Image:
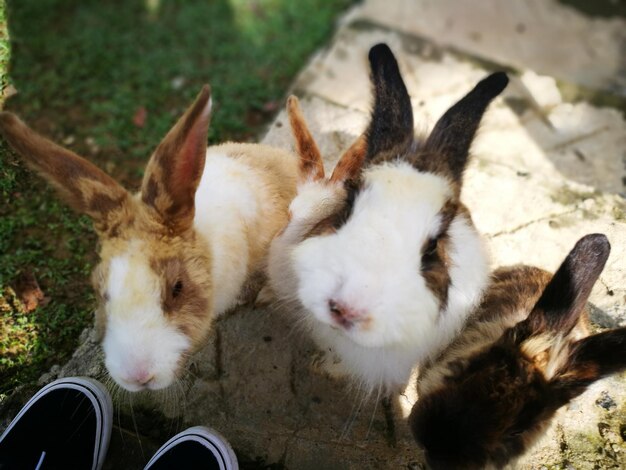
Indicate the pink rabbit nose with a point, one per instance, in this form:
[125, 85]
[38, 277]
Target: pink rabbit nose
[343, 315]
[141, 377]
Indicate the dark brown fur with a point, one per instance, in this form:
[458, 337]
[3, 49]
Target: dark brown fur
[435, 266]
[492, 392]
[390, 132]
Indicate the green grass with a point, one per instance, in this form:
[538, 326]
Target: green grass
[82, 68]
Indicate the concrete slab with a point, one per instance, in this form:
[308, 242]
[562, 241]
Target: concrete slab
[546, 36]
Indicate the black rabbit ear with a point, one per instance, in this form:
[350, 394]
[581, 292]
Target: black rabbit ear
[565, 296]
[454, 132]
[390, 132]
[590, 359]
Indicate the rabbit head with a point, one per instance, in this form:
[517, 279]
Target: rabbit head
[388, 251]
[153, 280]
[483, 406]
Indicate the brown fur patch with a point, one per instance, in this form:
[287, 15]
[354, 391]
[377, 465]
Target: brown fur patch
[587, 372]
[184, 292]
[178, 257]
[436, 262]
[85, 187]
[435, 265]
[150, 190]
[349, 166]
[174, 170]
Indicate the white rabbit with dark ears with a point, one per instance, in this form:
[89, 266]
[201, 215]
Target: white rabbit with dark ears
[384, 257]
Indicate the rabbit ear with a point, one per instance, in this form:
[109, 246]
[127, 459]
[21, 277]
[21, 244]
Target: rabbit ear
[455, 130]
[175, 169]
[311, 163]
[390, 132]
[591, 359]
[85, 187]
[349, 166]
[565, 296]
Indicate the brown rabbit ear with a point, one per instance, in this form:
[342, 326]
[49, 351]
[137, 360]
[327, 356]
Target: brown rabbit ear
[454, 132]
[311, 162]
[175, 169]
[350, 164]
[565, 296]
[390, 132]
[589, 360]
[85, 187]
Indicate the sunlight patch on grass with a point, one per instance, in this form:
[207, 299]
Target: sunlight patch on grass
[19, 331]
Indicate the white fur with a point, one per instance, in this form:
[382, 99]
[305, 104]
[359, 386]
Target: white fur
[227, 201]
[469, 274]
[373, 265]
[315, 201]
[139, 344]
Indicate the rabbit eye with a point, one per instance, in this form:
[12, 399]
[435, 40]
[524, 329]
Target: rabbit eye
[431, 248]
[177, 289]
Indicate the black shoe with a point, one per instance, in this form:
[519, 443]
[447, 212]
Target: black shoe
[65, 425]
[195, 448]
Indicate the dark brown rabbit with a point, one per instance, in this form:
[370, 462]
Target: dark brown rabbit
[525, 353]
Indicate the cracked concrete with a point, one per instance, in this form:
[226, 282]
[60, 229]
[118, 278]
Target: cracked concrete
[545, 171]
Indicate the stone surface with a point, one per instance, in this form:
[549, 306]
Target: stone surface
[544, 173]
[546, 36]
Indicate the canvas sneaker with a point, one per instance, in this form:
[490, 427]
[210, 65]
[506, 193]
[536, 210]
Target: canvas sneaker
[197, 448]
[65, 425]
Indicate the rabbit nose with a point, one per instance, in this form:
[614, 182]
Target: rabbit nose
[343, 315]
[141, 377]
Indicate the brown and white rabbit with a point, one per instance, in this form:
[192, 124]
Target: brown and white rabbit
[384, 257]
[176, 254]
[524, 354]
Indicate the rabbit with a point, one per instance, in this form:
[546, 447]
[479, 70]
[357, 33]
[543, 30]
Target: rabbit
[382, 258]
[525, 352]
[176, 254]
